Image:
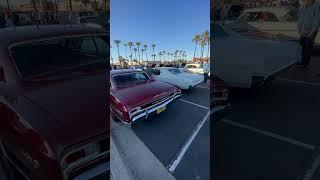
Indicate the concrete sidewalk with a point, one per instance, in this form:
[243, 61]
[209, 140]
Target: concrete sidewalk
[131, 159]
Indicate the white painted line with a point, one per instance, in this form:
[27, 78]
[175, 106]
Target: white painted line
[270, 134]
[299, 82]
[203, 87]
[204, 107]
[315, 166]
[185, 147]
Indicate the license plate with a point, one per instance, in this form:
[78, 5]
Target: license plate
[161, 109]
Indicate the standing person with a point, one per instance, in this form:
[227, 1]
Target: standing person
[2, 21]
[308, 25]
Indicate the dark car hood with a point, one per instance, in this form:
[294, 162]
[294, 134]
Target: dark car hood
[76, 107]
[145, 92]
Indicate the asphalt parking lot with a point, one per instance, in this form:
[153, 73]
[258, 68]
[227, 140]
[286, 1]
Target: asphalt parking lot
[272, 132]
[180, 136]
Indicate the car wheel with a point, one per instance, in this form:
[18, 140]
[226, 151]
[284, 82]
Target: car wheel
[6, 171]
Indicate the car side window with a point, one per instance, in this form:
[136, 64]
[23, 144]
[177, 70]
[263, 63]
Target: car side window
[102, 45]
[218, 31]
[88, 45]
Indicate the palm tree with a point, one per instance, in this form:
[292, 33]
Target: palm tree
[125, 49]
[117, 42]
[195, 39]
[135, 53]
[168, 53]
[203, 41]
[164, 55]
[142, 50]
[208, 43]
[160, 54]
[130, 44]
[180, 54]
[145, 49]
[138, 44]
[154, 56]
[172, 56]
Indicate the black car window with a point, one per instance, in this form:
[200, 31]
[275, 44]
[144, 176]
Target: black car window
[44, 57]
[130, 78]
[218, 31]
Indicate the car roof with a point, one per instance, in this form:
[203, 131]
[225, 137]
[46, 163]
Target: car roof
[165, 68]
[12, 35]
[123, 71]
[278, 11]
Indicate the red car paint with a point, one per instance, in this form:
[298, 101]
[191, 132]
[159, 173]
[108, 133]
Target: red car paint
[44, 119]
[125, 98]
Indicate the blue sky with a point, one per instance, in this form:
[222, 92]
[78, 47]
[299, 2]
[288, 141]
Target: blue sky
[170, 24]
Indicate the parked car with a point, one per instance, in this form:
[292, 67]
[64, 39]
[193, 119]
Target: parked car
[177, 77]
[219, 94]
[52, 107]
[253, 60]
[134, 95]
[195, 68]
[279, 21]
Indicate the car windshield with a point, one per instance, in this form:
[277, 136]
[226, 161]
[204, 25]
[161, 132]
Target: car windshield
[46, 57]
[130, 78]
[175, 71]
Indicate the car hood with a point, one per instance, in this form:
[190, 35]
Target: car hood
[144, 92]
[77, 108]
[189, 77]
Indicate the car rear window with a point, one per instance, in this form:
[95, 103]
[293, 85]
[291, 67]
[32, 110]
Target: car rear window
[130, 78]
[44, 57]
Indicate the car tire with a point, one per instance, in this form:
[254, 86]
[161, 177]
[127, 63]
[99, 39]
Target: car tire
[6, 171]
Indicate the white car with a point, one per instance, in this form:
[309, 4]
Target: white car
[177, 77]
[195, 68]
[244, 62]
[279, 21]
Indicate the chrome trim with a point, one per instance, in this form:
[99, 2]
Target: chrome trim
[156, 106]
[67, 168]
[93, 172]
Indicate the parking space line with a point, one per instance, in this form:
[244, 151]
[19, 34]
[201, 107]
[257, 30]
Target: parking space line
[270, 134]
[204, 107]
[203, 87]
[185, 147]
[299, 82]
[315, 166]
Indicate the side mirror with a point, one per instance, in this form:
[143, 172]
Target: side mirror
[2, 76]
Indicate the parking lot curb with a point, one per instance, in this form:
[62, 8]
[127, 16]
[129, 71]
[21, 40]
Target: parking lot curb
[132, 160]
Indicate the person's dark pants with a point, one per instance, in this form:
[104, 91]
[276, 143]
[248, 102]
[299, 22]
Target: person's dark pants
[307, 46]
[205, 77]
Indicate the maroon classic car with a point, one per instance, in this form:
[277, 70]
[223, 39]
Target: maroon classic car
[53, 119]
[220, 105]
[135, 95]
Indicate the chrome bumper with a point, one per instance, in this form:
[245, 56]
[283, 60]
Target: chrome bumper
[147, 111]
[94, 172]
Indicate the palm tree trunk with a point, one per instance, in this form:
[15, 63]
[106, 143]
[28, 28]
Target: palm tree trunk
[195, 50]
[208, 51]
[118, 51]
[131, 54]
